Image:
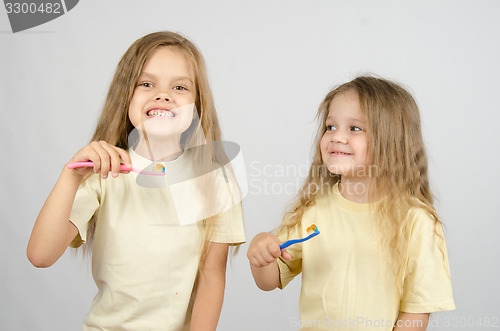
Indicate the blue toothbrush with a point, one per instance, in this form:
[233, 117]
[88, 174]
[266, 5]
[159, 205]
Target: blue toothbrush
[313, 227]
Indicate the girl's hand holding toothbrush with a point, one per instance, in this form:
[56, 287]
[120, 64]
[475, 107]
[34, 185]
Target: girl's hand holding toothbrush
[265, 249]
[105, 158]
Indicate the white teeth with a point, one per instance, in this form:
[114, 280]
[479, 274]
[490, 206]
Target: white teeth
[161, 113]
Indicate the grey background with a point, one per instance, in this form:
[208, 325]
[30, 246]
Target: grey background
[270, 64]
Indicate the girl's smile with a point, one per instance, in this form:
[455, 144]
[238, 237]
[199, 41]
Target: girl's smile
[339, 153]
[159, 113]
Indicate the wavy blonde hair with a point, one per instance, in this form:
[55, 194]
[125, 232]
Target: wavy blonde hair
[395, 149]
[114, 125]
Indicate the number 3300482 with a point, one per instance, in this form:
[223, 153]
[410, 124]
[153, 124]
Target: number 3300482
[32, 8]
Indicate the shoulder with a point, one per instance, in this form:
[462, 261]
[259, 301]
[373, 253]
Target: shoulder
[425, 233]
[420, 220]
[120, 186]
[91, 183]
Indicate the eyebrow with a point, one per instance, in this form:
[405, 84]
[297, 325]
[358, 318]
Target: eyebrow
[175, 78]
[349, 119]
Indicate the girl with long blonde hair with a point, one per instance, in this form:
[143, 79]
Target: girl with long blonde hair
[160, 226]
[380, 260]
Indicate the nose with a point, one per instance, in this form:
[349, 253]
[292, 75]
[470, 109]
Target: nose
[338, 136]
[163, 96]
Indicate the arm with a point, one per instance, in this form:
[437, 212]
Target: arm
[267, 278]
[262, 254]
[412, 322]
[53, 232]
[210, 289]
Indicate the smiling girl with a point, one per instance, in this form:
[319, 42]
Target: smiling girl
[380, 261]
[153, 270]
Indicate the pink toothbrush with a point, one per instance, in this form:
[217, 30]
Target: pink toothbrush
[159, 169]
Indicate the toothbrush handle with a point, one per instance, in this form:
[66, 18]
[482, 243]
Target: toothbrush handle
[91, 164]
[289, 243]
[296, 241]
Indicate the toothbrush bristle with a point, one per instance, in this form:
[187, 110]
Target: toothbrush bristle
[159, 168]
[312, 228]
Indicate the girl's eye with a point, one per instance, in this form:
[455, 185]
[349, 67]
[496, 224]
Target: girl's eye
[330, 128]
[180, 88]
[146, 84]
[356, 128]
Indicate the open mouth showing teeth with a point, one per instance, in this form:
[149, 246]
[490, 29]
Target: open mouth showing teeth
[160, 113]
[340, 153]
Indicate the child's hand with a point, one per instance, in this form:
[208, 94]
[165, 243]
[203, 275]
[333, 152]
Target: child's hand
[265, 249]
[105, 158]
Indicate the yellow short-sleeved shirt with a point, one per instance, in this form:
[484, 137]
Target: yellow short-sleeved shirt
[144, 259]
[345, 285]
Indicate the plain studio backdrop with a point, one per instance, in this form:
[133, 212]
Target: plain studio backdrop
[270, 63]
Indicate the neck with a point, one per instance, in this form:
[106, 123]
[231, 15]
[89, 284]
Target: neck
[165, 149]
[355, 189]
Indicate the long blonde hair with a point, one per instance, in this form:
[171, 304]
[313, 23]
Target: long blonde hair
[395, 149]
[114, 125]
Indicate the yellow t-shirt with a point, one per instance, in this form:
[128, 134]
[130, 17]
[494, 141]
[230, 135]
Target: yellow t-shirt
[345, 285]
[145, 258]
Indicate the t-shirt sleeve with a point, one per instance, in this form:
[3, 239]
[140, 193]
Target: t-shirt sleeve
[228, 227]
[427, 286]
[291, 268]
[86, 204]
